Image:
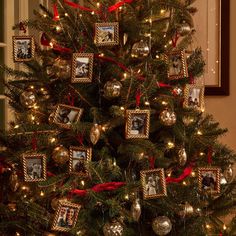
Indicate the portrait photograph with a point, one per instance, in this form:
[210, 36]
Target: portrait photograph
[137, 123]
[79, 158]
[82, 67]
[23, 48]
[194, 96]
[153, 183]
[107, 34]
[34, 167]
[66, 115]
[66, 216]
[177, 65]
[209, 179]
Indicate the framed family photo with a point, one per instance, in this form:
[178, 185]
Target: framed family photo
[79, 158]
[177, 65]
[23, 48]
[82, 67]
[194, 97]
[153, 183]
[209, 179]
[34, 167]
[137, 124]
[107, 34]
[66, 216]
[66, 115]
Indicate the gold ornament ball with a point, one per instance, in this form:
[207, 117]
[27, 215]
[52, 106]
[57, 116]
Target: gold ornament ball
[168, 118]
[95, 133]
[28, 99]
[62, 68]
[187, 210]
[114, 228]
[228, 173]
[60, 155]
[136, 210]
[112, 89]
[14, 181]
[49, 234]
[161, 225]
[44, 94]
[182, 156]
[140, 49]
[184, 29]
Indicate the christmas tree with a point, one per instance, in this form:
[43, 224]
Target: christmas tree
[110, 134]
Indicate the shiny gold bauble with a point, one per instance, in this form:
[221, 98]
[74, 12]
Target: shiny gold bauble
[184, 29]
[48, 234]
[140, 49]
[14, 181]
[44, 94]
[28, 99]
[161, 225]
[62, 68]
[114, 228]
[12, 206]
[187, 210]
[60, 155]
[228, 173]
[95, 133]
[182, 156]
[136, 209]
[167, 117]
[112, 89]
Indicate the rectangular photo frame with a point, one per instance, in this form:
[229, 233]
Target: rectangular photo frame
[34, 167]
[79, 158]
[65, 115]
[209, 179]
[177, 65]
[23, 48]
[66, 216]
[194, 97]
[82, 67]
[137, 124]
[106, 34]
[153, 183]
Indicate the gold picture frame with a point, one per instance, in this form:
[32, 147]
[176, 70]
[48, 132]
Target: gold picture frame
[153, 183]
[34, 167]
[194, 97]
[209, 179]
[66, 216]
[23, 48]
[177, 65]
[106, 34]
[79, 157]
[82, 67]
[66, 115]
[137, 124]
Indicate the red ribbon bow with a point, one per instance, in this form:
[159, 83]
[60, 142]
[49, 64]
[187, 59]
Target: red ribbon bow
[187, 171]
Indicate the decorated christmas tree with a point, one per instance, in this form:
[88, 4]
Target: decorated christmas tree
[110, 134]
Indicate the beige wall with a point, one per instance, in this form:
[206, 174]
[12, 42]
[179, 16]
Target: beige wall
[224, 108]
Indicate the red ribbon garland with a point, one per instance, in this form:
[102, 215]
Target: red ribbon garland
[151, 162]
[191, 79]
[98, 188]
[138, 97]
[71, 99]
[55, 12]
[44, 41]
[209, 155]
[50, 174]
[175, 39]
[59, 48]
[187, 171]
[119, 4]
[162, 85]
[80, 138]
[220, 234]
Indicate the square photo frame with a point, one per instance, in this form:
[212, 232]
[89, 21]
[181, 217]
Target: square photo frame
[79, 158]
[34, 167]
[177, 65]
[66, 115]
[82, 67]
[209, 179]
[194, 97]
[107, 34]
[66, 216]
[153, 183]
[137, 124]
[23, 48]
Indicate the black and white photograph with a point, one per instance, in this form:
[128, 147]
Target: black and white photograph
[23, 48]
[66, 216]
[66, 115]
[209, 179]
[34, 167]
[137, 124]
[194, 97]
[79, 158]
[106, 34]
[153, 183]
[82, 67]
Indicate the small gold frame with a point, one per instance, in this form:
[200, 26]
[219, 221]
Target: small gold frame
[19, 48]
[82, 67]
[107, 34]
[177, 65]
[86, 153]
[64, 121]
[142, 123]
[209, 179]
[33, 173]
[60, 221]
[194, 97]
[153, 183]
